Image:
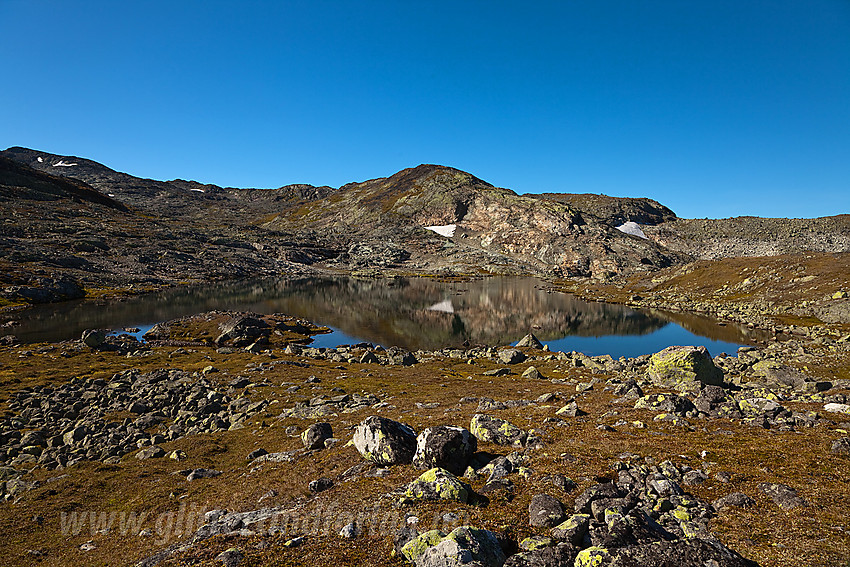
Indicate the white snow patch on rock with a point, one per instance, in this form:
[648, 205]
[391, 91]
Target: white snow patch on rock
[62, 163]
[198, 190]
[632, 228]
[444, 306]
[447, 230]
[40, 159]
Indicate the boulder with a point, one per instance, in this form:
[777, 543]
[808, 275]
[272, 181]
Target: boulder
[498, 431]
[446, 447]
[93, 338]
[668, 403]
[531, 372]
[573, 529]
[464, 546]
[437, 484]
[314, 436]
[561, 555]
[683, 368]
[738, 499]
[530, 341]
[152, 452]
[689, 552]
[545, 511]
[384, 441]
[511, 356]
[783, 495]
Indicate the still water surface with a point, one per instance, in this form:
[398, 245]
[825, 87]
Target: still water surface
[413, 313]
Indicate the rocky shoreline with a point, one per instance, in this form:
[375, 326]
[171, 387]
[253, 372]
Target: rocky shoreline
[637, 516]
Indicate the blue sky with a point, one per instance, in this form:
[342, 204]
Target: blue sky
[715, 109]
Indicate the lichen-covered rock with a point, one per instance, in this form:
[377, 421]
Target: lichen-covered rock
[498, 431]
[668, 403]
[314, 436]
[545, 511]
[464, 546]
[384, 441]
[561, 555]
[689, 552]
[437, 484]
[414, 548]
[573, 529]
[683, 368]
[446, 447]
[593, 556]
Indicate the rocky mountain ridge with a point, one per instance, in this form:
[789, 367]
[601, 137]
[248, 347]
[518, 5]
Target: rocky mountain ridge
[118, 230]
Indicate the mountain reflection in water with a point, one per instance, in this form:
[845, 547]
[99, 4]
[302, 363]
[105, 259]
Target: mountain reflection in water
[413, 313]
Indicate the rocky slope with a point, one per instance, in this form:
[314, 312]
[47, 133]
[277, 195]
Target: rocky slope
[103, 228]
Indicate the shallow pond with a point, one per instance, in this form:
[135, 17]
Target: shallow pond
[413, 313]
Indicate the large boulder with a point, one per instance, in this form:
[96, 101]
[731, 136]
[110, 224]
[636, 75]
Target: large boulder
[683, 368]
[494, 430]
[560, 555]
[694, 552]
[437, 484]
[530, 341]
[444, 446]
[384, 441]
[314, 436]
[464, 546]
[545, 511]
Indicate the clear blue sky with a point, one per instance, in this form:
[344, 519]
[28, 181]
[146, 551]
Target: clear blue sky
[715, 108]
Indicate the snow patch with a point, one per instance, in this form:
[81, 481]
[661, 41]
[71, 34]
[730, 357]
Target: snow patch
[40, 159]
[62, 163]
[198, 190]
[110, 194]
[447, 230]
[444, 306]
[632, 228]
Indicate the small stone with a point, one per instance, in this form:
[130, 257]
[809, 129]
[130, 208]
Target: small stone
[256, 453]
[152, 452]
[738, 499]
[202, 473]
[532, 373]
[231, 557]
[841, 447]
[349, 531]
[783, 495]
[320, 484]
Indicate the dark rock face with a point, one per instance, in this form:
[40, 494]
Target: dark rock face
[314, 436]
[561, 555]
[320, 484]
[384, 441]
[446, 447]
[545, 511]
[679, 553]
